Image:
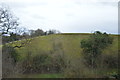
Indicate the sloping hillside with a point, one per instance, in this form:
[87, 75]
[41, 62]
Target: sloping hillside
[67, 45]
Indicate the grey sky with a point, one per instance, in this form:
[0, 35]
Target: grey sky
[67, 15]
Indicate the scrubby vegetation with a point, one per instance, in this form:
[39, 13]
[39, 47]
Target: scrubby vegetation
[60, 54]
[51, 54]
[93, 46]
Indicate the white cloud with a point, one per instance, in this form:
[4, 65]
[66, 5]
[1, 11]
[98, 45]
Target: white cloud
[67, 15]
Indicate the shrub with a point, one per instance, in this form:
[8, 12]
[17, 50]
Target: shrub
[110, 60]
[41, 62]
[45, 62]
[93, 46]
[9, 60]
[77, 69]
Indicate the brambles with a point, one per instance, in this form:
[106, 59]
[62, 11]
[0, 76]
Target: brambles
[9, 59]
[44, 62]
[62, 54]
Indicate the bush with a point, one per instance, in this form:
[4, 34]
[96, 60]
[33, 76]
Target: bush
[93, 46]
[110, 61]
[42, 63]
[9, 60]
[77, 69]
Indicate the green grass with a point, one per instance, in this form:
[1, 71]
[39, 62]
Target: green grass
[44, 76]
[70, 43]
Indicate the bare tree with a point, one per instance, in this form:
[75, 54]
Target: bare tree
[20, 30]
[8, 22]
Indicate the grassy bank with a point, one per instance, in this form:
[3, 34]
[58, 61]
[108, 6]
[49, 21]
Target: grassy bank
[67, 45]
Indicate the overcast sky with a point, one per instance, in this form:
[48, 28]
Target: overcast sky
[78, 16]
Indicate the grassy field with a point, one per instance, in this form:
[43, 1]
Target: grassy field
[45, 44]
[68, 43]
